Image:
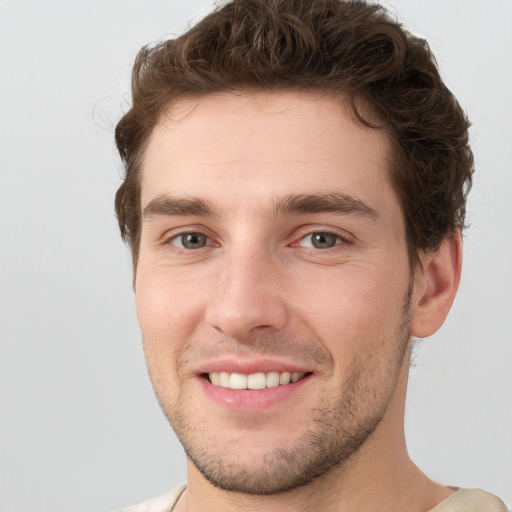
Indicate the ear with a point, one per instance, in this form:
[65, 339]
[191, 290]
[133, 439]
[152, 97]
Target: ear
[435, 286]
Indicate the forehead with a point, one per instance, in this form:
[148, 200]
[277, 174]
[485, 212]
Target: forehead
[269, 143]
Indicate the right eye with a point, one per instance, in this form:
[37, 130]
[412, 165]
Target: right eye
[190, 241]
[321, 240]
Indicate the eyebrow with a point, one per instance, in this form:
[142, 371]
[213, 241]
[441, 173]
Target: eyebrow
[291, 204]
[324, 203]
[168, 205]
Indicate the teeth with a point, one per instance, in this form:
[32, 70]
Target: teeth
[238, 381]
[224, 379]
[284, 378]
[258, 380]
[272, 379]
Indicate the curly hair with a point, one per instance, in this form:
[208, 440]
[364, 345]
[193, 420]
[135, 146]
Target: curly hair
[346, 47]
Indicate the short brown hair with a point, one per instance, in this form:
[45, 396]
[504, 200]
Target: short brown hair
[348, 47]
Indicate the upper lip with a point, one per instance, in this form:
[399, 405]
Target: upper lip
[248, 367]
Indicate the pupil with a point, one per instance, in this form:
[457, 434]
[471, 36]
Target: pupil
[323, 240]
[193, 240]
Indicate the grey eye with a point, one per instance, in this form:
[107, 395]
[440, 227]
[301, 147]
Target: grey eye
[191, 240]
[324, 240]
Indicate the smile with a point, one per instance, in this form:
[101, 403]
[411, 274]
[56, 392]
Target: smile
[258, 380]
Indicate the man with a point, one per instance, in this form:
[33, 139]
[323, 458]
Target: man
[296, 177]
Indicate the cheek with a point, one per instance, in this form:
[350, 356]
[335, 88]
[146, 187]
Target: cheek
[353, 296]
[356, 311]
[165, 310]
[167, 319]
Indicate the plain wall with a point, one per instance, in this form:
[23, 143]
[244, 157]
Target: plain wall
[80, 430]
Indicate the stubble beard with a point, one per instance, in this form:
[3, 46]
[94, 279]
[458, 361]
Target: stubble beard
[338, 430]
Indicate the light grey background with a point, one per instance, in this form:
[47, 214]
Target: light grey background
[80, 430]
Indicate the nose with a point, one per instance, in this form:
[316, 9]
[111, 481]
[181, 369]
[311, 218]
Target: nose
[249, 298]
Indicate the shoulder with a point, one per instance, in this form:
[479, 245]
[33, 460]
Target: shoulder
[163, 503]
[471, 500]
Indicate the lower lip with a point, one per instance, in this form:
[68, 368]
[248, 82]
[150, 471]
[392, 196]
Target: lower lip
[249, 399]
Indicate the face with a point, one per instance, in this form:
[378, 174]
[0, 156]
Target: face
[272, 284]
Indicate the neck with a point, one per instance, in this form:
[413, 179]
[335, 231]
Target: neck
[379, 477]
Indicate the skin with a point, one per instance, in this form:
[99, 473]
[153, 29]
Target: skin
[258, 292]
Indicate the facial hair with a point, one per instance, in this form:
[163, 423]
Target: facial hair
[338, 426]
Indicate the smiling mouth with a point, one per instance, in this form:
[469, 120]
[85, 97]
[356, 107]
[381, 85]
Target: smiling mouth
[258, 380]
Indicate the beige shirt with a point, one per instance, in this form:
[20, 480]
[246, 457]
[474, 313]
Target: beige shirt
[463, 500]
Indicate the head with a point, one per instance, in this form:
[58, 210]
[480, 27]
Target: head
[348, 49]
[356, 158]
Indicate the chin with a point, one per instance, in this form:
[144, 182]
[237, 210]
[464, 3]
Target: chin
[248, 463]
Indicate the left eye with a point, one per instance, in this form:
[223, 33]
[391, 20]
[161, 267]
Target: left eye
[190, 240]
[320, 240]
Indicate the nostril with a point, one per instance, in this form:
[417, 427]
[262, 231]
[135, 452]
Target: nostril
[240, 314]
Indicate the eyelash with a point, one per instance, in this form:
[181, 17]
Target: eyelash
[176, 236]
[340, 240]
